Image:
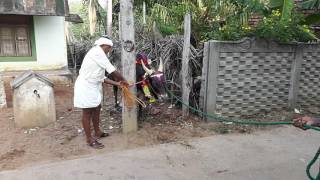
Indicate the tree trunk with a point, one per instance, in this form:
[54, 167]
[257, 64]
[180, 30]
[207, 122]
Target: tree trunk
[92, 16]
[109, 18]
[119, 21]
[144, 13]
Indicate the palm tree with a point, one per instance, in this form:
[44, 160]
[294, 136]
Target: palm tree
[95, 15]
[92, 13]
[310, 4]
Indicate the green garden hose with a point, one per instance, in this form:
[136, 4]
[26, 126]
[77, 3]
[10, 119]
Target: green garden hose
[257, 123]
[238, 121]
[311, 163]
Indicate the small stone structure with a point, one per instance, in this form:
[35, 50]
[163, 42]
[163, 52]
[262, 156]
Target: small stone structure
[33, 100]
[252, 75]
[3, 102]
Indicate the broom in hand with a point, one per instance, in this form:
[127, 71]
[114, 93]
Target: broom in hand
[129, 98]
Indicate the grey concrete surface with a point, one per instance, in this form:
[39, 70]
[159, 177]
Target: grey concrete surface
[278, 154]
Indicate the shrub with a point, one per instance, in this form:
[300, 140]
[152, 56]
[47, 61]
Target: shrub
[231, 31]
[286, 30]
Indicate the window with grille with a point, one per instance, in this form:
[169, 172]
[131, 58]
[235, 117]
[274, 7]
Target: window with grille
[15, 36]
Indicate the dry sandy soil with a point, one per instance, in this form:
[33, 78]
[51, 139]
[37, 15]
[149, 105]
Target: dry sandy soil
[65, 139]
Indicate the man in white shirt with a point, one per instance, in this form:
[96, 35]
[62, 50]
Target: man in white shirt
[88, 87]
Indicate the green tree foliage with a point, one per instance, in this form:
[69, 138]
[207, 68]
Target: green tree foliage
[81, 31]
[232, 23]
[285, 6]
[284, 30]
[207, 16]
[310, 4]
[215, 19]
[281, 25]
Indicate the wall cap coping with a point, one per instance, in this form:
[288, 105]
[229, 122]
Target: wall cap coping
[269, 40]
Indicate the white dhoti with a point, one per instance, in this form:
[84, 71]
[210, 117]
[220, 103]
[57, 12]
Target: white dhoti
[87, 94]
[88, 86]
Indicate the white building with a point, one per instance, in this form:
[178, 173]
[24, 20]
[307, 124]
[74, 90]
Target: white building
[32, 35]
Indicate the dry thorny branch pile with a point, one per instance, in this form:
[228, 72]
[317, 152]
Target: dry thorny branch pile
[169, 49]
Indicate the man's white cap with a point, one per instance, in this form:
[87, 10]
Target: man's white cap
[103, 41]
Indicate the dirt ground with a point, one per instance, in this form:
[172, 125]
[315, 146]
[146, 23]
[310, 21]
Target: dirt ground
[65, 138]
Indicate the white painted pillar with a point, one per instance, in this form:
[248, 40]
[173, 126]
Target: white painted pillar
[3, 101]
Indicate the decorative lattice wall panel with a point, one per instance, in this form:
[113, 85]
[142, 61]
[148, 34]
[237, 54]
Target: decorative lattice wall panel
[251, 82]
[309, 81]
[249, 76]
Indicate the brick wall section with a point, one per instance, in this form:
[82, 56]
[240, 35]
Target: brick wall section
[3, 102]
[245, 77]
